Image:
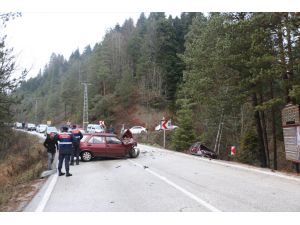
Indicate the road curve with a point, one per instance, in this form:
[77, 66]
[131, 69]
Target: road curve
[165, 181]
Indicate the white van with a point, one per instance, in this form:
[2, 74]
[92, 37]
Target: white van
[95, 128]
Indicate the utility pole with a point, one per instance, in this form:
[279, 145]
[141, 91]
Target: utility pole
[219, 134]
[36, 110]
[85, 117]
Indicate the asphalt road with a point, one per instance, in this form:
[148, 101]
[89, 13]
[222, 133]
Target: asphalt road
[165, 181]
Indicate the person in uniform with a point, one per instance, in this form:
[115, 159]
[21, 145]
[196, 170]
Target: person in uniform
[77, 136]
[65, 148]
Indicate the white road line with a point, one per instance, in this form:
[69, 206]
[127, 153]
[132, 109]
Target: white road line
[45, 199]
[184, 191]
[219, 162]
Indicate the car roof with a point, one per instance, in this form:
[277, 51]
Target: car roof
[101, 134]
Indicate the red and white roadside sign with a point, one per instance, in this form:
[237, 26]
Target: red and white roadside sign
[164, 125]
[233, 151]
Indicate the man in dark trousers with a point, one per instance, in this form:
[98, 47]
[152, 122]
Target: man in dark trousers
[51, 144]
[65, 146]
[77, 136]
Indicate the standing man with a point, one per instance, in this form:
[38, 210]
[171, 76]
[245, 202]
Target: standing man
[51, 144]
[65, 146]
[77, 136]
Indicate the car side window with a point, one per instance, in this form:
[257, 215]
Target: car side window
[98, 140]
[113, 140]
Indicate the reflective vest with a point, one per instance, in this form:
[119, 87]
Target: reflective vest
[65, 144]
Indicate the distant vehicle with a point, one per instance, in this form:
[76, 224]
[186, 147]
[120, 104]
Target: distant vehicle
[171, 127]
[201, 150]
[95, 128]
[138, 130]
[41, 128]
[106, 145]
[18, 125]
[30, 127]
[50, 130]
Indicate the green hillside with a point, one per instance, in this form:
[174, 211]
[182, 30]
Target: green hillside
[231, 72]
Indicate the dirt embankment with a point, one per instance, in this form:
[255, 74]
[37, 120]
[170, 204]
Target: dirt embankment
[22, 159]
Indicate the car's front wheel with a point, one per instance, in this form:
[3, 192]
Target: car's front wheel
[134, 152]
[86, 156]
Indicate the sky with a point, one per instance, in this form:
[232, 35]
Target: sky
[35, 36]
[62, 26]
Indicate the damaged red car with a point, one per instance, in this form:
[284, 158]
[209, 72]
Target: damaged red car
[202, 150]
[108, 145]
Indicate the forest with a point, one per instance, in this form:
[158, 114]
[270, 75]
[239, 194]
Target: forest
[225, 75]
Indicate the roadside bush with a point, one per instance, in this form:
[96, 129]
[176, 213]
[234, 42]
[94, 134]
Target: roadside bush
[249, 152]
[156, 138]
[22, 159]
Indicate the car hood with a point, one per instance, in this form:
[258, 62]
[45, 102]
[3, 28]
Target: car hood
[127, 134]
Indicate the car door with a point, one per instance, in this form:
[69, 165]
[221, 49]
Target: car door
[115, 147]
[96, 144]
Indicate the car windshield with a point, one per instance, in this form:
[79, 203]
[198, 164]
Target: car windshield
[51, 129]
[97, 127]
[43, 125]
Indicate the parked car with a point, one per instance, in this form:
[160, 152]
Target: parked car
[30, 127]
[106, 145]
[202, 150]
[95, 128]
[138, 130]
[50, 130]
[41, 128]
[18, 125]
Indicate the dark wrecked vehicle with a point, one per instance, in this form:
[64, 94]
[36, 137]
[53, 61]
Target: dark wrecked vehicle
[108, 145]
[202, 150]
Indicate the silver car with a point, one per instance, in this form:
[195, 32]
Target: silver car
[50, 130]
[41, 128]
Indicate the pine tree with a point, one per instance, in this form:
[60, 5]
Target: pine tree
[185, 134]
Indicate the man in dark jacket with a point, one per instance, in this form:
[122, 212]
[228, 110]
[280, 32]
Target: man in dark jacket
[51, 144]
[65, 147]
[77, 136]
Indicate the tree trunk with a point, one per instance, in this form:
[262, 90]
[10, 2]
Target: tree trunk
[273, 130]
[264, 133]
[263, 160]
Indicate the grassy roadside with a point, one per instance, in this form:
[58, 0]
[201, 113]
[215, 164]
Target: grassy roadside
[22, 159]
